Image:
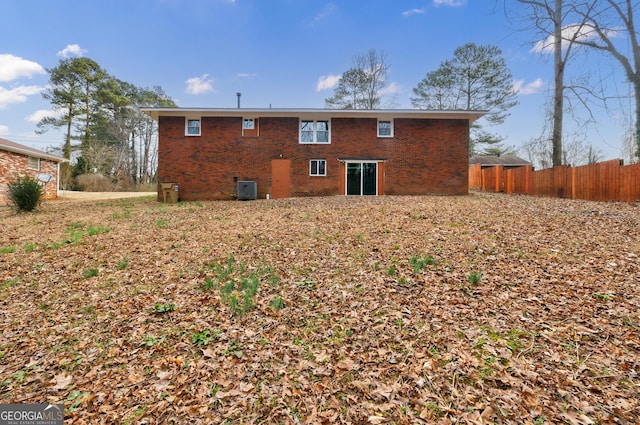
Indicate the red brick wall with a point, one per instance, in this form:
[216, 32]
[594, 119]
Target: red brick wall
[12, 164]
[425, 156]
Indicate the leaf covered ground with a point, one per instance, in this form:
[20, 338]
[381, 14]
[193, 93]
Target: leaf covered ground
[477, 309]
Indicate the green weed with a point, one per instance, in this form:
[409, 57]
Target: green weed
[92, 231]
[123, 263]
[603, 296]
[163, 308]
[277, 303]
[233, 349]
[419, 263]
[205, 337]
[90, 273]
[308, 284]
[150, 340]
[7, 249]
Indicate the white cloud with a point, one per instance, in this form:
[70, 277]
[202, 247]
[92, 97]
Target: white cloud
[327, 82]
[413, 12]
[14, 67]
[519, 87]
[245, 75]
[199, 85]
[38, 115]
[452, 3]
[17, 94]
[582, 33]
[72, 50]
[4, 130]
[328, 9]
[392, 88]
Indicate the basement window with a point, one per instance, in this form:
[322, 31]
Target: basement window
[192, 127]
[318, 167]
[314, 131]
[33, 163]
[385, 128]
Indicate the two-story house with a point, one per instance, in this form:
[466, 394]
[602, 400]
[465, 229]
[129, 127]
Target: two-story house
[312, 152]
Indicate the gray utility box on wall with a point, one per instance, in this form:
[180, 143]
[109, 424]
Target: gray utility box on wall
[247, 190]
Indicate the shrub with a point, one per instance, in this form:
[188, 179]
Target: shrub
[94, 183]
[25, 193]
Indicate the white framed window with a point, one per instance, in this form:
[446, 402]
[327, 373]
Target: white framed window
[33, 163]
[385, 128]
[318, 167]
[315, 131]
[248, 124]
[192, 127]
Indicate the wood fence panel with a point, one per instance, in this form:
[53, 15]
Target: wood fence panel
[598, 182]
[630, 183]
[492, 179]
[522, 179]
[475, 176]
[604, 181]
[544, 182]
[507, 179]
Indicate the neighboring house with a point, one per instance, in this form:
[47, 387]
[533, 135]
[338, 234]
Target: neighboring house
[507, 161]
[209, 153]
[18, 160]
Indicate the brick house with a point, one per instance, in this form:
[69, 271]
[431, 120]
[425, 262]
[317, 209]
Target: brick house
[312, 152]
[17, 159]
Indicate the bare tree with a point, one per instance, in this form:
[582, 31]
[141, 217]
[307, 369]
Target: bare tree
[554, 20]
[605, 21]
[361, 87]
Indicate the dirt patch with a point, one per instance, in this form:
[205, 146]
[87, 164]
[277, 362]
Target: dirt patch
[68, 195]
[476, 309]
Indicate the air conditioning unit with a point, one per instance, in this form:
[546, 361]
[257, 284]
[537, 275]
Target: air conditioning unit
[247, 190]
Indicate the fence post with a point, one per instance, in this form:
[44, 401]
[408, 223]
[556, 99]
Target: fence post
[573, 183]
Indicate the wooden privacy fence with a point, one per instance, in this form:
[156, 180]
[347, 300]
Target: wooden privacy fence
[604, 181]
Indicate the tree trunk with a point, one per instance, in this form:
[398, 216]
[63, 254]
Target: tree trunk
[636, 87]
[558, 99]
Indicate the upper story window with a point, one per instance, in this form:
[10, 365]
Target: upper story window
[312, 131]
[385, 128]
[248, 124]
[192, 127]
[33, 163]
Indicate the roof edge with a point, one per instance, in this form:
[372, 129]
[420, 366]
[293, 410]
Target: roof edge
[470, 115]
[25, 150]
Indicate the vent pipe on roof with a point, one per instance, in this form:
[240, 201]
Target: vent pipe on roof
[238, 94]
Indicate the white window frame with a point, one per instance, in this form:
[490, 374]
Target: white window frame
[314, 130]
[317, 161]
[36, 165]
[390, 121]
[248, 124]
[186, 126]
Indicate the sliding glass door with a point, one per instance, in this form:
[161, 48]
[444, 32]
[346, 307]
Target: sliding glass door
[362, 178]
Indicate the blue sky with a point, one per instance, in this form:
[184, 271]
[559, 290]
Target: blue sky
[279, 53]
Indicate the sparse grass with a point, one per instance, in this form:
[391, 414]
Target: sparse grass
[90, 273]
[123, 263]
[418, 263]
[277, 303]
[8, 249]
[474, 278]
